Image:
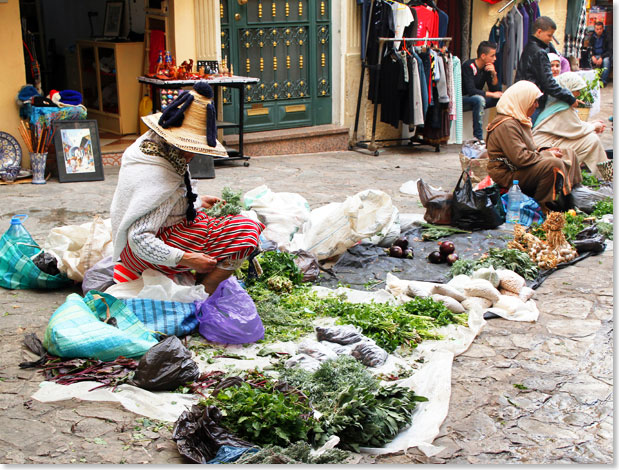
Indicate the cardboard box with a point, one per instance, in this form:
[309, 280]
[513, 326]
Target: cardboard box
[605, 17]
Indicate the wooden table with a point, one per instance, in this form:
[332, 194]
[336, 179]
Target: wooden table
[233, 82]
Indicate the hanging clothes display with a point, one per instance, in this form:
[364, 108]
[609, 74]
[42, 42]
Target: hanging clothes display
[414, 84]
[511, 34]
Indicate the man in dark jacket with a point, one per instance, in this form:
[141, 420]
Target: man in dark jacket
[601, 44]
[476, 74]
[534, 65]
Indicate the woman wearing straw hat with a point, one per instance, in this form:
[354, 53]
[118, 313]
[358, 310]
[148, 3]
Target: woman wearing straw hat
[155, 219]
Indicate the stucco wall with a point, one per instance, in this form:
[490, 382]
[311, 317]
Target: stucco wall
[485, 15]
[14, 75]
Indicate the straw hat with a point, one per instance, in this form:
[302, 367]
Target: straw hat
[187, 127]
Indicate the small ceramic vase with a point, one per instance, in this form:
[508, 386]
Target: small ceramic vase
[37, 163]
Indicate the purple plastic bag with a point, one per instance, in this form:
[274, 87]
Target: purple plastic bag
[229, 315]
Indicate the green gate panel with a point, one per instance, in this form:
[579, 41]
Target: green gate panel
[286, 44]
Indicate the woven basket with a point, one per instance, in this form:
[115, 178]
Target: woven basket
[478, 167]
[583, 113]
[606, 169]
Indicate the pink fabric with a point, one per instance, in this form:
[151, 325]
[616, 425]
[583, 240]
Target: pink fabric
[565, 65]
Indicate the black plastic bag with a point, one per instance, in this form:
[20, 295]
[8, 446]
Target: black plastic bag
[199, 435]
[476, 210]
[308, 264]
[345, 334]
[166, 366]
[370, 354]
[35, 345]
[47, 263]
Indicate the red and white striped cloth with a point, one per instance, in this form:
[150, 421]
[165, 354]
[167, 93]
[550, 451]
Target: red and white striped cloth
[227, 238]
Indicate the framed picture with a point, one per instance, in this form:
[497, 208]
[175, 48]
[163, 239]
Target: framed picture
[78, 153]
[113, 15]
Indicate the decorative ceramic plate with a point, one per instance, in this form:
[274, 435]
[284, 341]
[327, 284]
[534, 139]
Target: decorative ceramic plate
[24, 174]
[10, 151]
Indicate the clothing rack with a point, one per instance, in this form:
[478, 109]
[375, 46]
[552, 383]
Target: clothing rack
[371, 144]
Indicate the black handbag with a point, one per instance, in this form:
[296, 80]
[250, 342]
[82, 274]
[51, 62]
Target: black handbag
[476, 210]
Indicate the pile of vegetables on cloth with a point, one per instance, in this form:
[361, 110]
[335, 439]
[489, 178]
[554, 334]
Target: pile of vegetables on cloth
[331, 364]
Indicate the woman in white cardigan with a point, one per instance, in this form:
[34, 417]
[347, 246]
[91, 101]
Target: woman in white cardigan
[559, 125]
[156, 218]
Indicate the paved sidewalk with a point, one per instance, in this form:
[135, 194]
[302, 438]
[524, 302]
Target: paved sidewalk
[534, 393]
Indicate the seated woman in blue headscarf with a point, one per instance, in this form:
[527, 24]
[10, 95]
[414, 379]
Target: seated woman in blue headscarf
[559, 125]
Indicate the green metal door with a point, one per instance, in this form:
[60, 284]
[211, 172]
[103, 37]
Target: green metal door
[286, 44]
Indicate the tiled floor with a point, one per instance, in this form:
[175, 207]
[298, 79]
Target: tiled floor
[113, 146]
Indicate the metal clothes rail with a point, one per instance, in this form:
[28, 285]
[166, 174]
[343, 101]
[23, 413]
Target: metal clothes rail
[371, 144]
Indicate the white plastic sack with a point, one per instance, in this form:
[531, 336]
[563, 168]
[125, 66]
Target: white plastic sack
[157, 286]
[282, 213]
[164, 406]
[79, 247]
[390, 234]
[335, 227]
[410, 187]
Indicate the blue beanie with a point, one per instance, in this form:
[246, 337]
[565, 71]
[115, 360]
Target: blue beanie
[71, 97]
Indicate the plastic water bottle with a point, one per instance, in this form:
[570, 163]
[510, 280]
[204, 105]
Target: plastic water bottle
[514, 199]
[17, 232]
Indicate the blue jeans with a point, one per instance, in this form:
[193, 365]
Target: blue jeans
[478, 103]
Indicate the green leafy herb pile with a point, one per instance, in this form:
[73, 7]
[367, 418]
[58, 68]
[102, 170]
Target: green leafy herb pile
[353, 405]
[287, 308]
[514, 260]
[434, 232]
[605, 229]
[574, 224]
[297, 453]
[260, 413]
[230, 205]
[589, 180]
[603, 207]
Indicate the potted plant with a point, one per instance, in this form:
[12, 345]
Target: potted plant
[589, 93]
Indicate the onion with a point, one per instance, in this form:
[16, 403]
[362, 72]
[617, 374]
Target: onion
[395, 251]
[447, 248]
[435, 257]
[402, 242]
[452, 258]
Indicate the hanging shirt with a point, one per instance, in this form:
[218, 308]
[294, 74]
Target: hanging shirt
[427, 22]
[402, 17]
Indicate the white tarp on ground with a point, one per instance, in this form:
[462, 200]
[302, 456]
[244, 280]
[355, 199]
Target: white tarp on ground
[431, 379]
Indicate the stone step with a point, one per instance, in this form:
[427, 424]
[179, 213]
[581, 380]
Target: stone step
[324, 138]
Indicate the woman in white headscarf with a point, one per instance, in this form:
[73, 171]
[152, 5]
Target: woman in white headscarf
[548, 176]
[560, 125]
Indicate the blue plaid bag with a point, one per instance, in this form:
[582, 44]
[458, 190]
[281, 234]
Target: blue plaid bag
[78, 328]
[530, 211]
[18, 271]
[161, 316]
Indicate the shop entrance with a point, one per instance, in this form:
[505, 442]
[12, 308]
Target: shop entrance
[286, 44]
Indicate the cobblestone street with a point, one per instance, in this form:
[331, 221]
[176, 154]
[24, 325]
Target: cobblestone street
[523, 393]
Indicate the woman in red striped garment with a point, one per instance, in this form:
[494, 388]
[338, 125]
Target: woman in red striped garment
[156, 218]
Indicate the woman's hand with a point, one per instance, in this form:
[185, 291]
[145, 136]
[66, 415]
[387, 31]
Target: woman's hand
[199, 261]
[556, 151]
[209, 201]
[598, 127]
